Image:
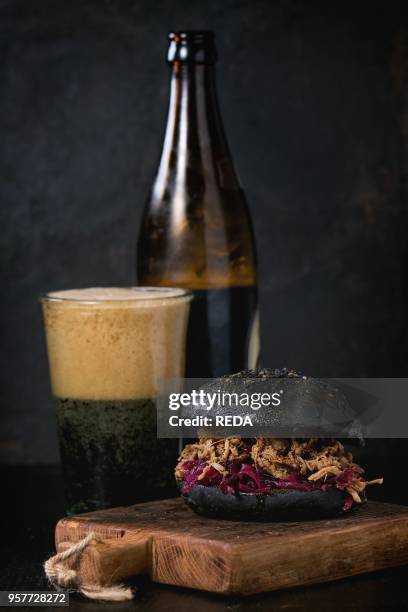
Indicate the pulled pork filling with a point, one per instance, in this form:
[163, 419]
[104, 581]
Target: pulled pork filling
[236, 465]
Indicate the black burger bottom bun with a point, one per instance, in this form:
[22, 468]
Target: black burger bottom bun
[279, 505]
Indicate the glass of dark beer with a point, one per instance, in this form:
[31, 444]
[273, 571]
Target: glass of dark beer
[108, 351]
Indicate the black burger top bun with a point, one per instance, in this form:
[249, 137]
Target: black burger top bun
[309, 406]
[268, 478]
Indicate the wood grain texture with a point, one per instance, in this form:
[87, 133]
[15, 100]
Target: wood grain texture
[174, 546]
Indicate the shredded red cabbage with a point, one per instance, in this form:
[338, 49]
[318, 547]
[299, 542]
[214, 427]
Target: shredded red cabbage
[250, 478]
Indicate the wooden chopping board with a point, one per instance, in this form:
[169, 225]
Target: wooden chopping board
[171, 544]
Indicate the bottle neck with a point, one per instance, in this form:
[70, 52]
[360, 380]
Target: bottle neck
[194, 139]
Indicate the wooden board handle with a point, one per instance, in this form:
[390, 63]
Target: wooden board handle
[110, 561]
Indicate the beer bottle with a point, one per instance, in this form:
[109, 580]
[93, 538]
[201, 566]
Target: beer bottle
[196, 230]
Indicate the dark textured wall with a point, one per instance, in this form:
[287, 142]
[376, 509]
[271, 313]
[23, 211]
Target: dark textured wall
[314, 98]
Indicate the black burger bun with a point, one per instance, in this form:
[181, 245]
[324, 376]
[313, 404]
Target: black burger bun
[278, 505]
[310, 407]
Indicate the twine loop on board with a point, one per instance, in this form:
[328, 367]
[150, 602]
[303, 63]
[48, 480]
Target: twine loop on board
[62, 576]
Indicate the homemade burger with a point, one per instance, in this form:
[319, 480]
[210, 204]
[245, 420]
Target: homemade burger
[270, 478]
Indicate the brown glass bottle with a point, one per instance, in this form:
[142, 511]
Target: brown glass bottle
[196, 230]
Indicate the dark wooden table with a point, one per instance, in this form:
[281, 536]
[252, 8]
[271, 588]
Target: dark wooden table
[32, 501]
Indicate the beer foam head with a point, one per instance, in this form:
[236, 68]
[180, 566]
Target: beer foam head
[114, 343]
[113, 294]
